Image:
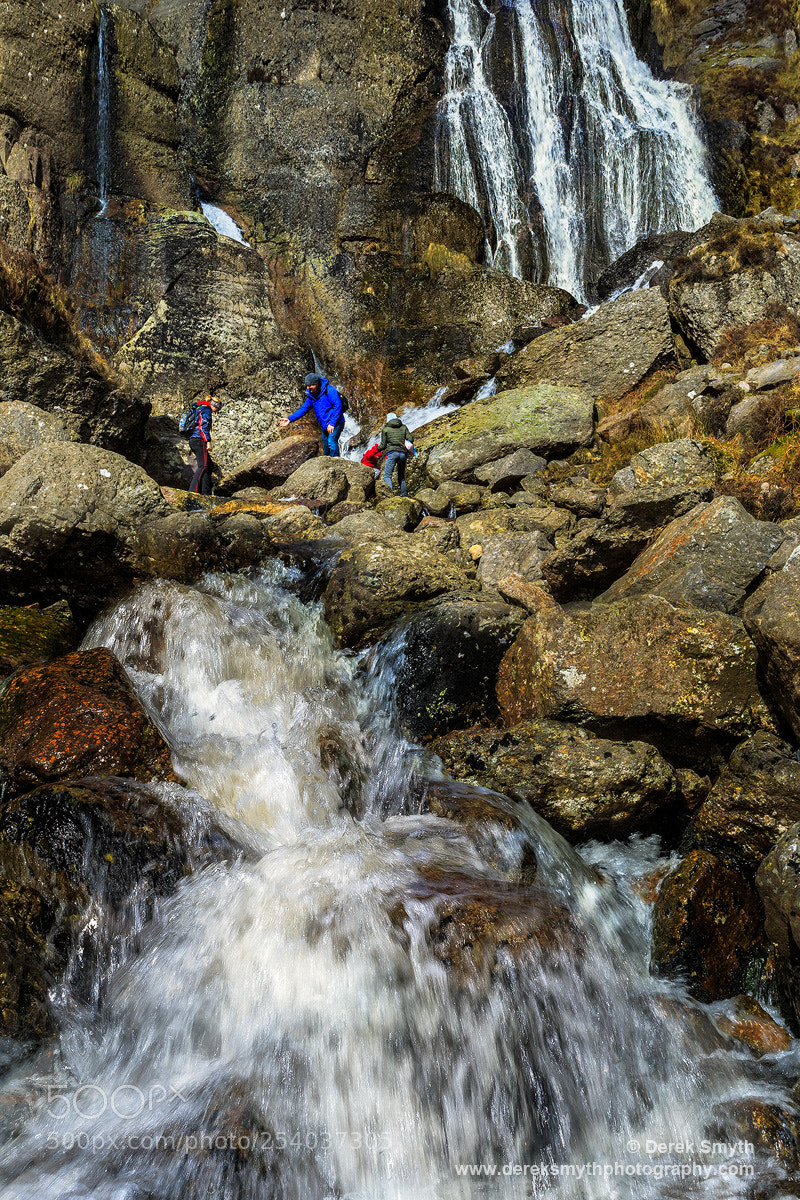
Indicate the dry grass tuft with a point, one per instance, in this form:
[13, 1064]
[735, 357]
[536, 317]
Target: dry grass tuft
[778, 330]
[740, 248]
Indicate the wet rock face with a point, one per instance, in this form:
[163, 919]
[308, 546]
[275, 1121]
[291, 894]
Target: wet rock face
[451, 652]
[375, 583]
[586, 787]
[271, 467]
[77, 716]
[778, 883]
[640, 666]
[708, 922]
[80, 403]
[753, 803]
[772, 618]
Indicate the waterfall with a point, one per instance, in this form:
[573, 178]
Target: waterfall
[303, 1022]
[581, 155]
[103, 113]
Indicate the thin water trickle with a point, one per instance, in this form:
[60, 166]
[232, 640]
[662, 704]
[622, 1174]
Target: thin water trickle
[583, 154]
[103, 113]
[336, 1013]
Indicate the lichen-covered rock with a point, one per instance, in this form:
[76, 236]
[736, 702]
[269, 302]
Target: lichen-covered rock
[586, 787]
[550, 421]
[375, 583]
[404, 512]
[772, 618]
[28, 635]
[753, 803]
[707, 926]
[452, 650]
[271, 467]
[504, 473]
[605, 355]
[329, 480]
[684, 462]
[638, 667]
[512, 553]
[77, 716]
[479, 527]
[731, 281]
[24, 426]
[708, 558]
[602, 551]
[69, 522]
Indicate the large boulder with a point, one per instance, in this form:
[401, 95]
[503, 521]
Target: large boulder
[23, 427]
[708, 558]
[271, 467]
[481, 527]
[602, 550]
[551, 421]
[684, 462]
[512, 554]
[452, 649]
[329, 480]
[70, 520]
[605, 355]
[752, 804]
[732, 280]
[682, 678]
[376, 582]
[77, 716]
[772, 618]
[586, 787]
[707, 926]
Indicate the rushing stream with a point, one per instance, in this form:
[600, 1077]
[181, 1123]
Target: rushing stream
[563, 139]
[302, 1021]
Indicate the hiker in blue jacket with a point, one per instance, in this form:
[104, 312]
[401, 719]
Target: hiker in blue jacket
[323, 397]
[200, 443]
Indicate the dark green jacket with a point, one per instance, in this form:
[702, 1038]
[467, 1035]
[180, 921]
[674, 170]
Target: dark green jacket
[394, 436]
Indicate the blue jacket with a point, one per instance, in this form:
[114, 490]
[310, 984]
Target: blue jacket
[204, 418]
[327, 406]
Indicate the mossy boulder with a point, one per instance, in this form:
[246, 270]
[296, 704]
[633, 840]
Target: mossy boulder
[77, 716]
[772, 618]
[551, 421]
[28, 635]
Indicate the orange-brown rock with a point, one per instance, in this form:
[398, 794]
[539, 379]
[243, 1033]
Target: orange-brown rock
[77, 716]
[755, 1028]
[708, 922]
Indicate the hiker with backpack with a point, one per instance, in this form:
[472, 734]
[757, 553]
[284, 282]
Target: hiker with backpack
[328, 407]
[199, 419]
[396, 440]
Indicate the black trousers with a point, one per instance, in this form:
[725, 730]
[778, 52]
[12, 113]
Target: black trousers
[201, 480]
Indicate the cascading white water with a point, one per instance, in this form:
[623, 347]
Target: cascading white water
[301, 1024]
[103, 113]
[583, 154]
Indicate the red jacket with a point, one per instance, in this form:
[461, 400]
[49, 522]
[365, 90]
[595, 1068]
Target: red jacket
[372, 457]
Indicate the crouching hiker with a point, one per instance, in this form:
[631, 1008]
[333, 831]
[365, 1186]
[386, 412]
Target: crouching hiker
[323, 397]
[396, 440]
[200, 444]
